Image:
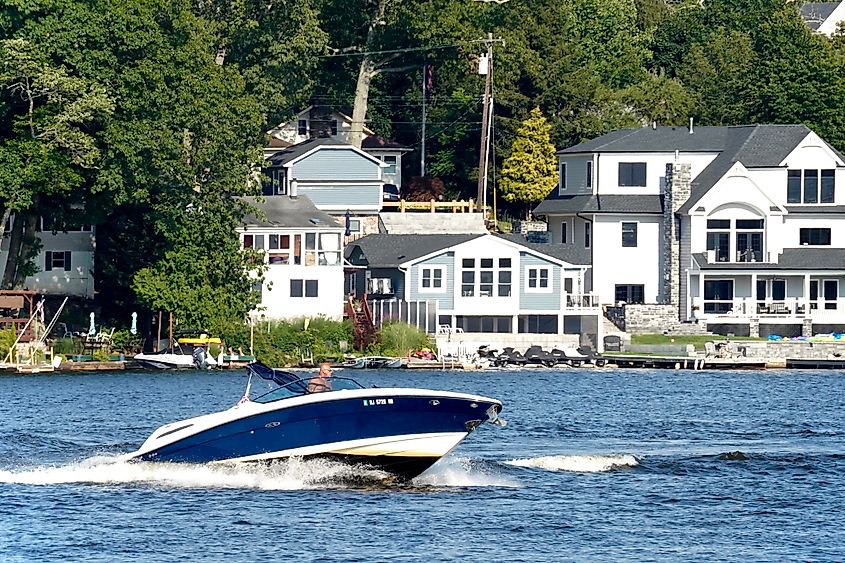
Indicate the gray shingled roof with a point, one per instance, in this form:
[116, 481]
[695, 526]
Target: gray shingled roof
[571, 253]
[557, 203]
[390, 251]
[804, 258]
[284, 156]
[755, 146]
[284, 211]
[659, 139]
[815, 13]
[815, 209]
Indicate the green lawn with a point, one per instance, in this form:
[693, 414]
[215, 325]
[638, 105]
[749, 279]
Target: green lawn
[698, 341]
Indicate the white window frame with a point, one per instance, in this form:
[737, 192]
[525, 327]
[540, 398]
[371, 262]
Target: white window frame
[431, 268]
[636, 225]
[561, 182]
[392, 165]
[538, 289]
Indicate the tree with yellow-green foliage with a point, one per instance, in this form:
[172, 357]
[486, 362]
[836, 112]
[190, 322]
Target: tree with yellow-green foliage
[529, 172]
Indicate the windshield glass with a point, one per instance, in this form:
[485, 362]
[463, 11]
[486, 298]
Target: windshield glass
[295, 388]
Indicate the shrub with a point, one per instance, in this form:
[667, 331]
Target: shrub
[7, 340]
[67, 346]
[399, 339]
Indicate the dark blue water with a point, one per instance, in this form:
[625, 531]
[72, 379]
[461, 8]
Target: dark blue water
[594, 465]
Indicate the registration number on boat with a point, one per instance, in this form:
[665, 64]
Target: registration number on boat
[374, 402]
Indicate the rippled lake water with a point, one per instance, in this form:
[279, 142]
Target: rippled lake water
[595, 464]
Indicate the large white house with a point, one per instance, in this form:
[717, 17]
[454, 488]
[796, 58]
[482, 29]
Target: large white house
[303, 256]
[740, 226]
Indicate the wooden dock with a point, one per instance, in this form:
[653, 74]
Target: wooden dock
[686, 362]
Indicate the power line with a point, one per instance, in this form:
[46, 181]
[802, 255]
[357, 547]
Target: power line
[388, 52]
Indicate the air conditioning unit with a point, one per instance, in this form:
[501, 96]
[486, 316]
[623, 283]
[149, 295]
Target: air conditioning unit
[379, 286]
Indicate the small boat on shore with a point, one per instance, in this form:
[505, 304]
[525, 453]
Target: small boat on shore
[373, 362]
[401, 431]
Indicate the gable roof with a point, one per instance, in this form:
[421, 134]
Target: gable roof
[288, 212]
[390, 251]
[291, 154]
[571, 253]
[816, 13]
[374, 142]
[755, 146]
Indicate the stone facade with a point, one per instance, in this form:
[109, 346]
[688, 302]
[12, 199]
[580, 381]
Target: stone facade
[676, 193]
[656, 319]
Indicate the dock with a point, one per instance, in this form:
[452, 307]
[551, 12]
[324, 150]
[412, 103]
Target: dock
[688, 362]
[815, 363]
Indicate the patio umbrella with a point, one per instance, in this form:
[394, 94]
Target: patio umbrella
[134, 329]
[348, 223]
[92, 330]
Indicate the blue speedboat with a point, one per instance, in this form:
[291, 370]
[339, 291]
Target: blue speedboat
[401, 431]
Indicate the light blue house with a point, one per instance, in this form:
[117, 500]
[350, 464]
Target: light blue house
[479, 283]
[334, 175]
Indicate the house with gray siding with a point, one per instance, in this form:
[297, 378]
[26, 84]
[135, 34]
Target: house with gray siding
[479, 283]
[334, 175]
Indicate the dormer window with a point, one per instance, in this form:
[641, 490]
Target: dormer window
[302, 127]
[334, 127]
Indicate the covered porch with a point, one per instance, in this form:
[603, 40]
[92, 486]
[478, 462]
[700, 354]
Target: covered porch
[818, 296]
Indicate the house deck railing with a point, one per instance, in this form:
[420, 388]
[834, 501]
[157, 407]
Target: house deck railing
[432, 206]
[791, 307]
[582, 301]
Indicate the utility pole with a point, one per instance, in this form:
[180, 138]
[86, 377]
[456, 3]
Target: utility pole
[422, 146]
[485, 66]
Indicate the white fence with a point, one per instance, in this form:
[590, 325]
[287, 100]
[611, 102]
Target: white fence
[422, 314]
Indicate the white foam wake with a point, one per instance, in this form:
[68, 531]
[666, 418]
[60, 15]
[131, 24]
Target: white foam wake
[462, 472]
[578, 463]
[292, 474]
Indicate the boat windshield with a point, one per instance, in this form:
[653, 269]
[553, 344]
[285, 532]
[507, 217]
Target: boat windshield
[299, 387]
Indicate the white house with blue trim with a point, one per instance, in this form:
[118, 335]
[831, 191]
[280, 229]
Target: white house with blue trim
[480, 283]
[742, 226]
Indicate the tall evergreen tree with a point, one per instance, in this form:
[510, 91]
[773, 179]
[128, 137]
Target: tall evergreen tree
[529, 172]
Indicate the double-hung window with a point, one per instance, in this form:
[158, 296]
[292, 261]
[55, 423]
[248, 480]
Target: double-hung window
[629, 235]
[431, 279]
[538, 279]
[562, 177]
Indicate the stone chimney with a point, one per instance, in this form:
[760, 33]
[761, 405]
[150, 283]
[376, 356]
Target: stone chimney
[676, 192]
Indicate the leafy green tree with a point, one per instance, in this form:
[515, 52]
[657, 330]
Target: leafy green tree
[49, 146]
[529, 172]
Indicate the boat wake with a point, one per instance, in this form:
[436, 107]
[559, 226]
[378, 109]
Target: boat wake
[289, 475]
[292, 474]
[464, 472]
[578, 463]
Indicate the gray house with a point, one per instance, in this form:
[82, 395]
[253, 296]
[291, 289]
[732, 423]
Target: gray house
[479, 283]
[334, 175]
